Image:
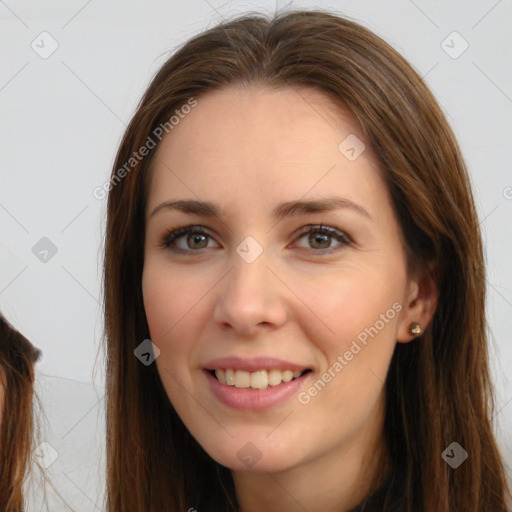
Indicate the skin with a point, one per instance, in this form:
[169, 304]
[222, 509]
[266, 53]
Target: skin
[248, 150]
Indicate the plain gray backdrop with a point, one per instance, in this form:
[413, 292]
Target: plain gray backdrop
[71, 75]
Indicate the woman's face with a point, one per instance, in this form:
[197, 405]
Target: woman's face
[255, 296]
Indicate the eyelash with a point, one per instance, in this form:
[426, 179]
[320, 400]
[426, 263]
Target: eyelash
[170, 238]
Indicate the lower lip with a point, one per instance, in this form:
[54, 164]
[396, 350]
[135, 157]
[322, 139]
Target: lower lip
[248, 399]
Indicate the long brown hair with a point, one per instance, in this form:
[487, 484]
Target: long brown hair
[438, 388]
[17, 358]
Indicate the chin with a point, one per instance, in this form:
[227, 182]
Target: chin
[255, 457]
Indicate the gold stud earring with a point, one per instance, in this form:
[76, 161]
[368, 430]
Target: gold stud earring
[415, 328]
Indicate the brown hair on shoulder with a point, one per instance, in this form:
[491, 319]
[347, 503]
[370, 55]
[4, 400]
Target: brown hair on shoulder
[17, 358]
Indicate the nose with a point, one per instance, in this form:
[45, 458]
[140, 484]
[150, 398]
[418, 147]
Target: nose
[250, 297]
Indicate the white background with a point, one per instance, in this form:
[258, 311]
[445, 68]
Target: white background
[61, 122]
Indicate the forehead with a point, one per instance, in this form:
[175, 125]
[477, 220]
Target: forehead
[273, 142]
[291, 123]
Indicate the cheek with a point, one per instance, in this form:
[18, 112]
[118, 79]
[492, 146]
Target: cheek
[171, 297]
[173, 306]
[360, 307]
[354, 328]
[347, 304]
[159, 302]
[166, 305]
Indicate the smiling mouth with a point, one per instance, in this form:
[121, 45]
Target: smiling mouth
[257, 380]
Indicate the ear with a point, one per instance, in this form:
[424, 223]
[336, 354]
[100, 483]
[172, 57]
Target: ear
[420, 303]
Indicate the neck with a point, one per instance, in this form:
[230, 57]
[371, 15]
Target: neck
[338, 481]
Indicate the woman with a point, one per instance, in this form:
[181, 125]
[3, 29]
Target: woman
[17, 358]
[291, 224]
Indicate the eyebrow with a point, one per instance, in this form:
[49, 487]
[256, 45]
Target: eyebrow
[281, 211]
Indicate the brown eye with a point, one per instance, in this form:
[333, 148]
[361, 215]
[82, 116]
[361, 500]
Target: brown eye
[321, 238]
[199, 239]
[187, 239]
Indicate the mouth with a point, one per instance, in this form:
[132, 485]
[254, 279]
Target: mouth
[256, 390]
[256, 380]
[255, 383]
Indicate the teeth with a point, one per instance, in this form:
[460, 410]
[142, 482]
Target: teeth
[274, 377]
[260, 379]
[242, 379]
[287, 376]
[230, 377]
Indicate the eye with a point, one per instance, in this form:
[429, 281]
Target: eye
[320, 238]
[189, 239]
[186, 239]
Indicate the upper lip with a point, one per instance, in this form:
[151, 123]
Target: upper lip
[253, 364]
